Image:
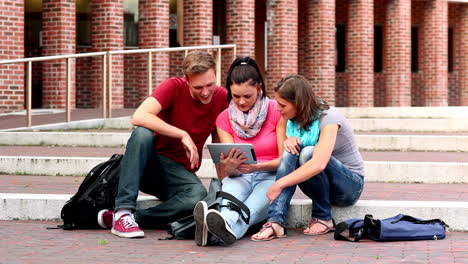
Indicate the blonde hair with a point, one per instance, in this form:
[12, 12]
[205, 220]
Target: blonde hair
[197, 62]
[298, 90]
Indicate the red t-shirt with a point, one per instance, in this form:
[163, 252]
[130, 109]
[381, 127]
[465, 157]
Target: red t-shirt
[179, 109]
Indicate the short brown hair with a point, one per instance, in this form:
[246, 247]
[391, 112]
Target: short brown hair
[298, 90]
[198, 61]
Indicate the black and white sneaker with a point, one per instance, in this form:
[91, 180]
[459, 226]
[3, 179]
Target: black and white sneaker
[218, 226]
[201, 232]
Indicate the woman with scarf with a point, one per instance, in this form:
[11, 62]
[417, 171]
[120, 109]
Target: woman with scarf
[321, 157]
[250, 118]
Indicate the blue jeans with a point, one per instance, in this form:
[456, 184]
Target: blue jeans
[335, 185]
[142, 169]
[251, 189]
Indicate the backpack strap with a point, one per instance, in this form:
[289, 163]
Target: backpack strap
[411, 219]
[235, 205]
[349, 231]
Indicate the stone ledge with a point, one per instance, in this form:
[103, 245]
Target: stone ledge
[19, 206]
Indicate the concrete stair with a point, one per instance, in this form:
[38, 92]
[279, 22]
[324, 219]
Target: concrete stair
[401, 146]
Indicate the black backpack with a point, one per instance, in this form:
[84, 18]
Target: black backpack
[184, 228]
[97, 191]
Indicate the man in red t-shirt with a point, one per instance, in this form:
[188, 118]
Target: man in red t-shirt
[165, 149]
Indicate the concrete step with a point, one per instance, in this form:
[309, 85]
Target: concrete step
[42, 197]
[412, 143]
[451, 112]
[413, 125]
[373, 142]
[378, 171]
[20, 206]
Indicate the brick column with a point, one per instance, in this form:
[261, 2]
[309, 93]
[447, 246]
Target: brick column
[320, 48]
[240, 30]
[463, 54]
[397, 53]
[282, 19]
[198, 22]
[360, 53]
[58, 35]
[240, 25]
[107, 34]
[434, 53]
[153, 32]
[12, 47]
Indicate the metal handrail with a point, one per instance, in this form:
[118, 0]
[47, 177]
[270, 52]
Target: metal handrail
[106, 72]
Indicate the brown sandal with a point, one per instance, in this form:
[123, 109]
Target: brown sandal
[274, 235]
[328, 228]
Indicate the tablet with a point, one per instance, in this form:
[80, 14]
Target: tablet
[217, 148]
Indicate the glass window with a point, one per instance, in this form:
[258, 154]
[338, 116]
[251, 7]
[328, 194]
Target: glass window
[83, 23]
[32, 24]
[378, 48]
[173, 24]
[414, 49]
[340, 48]
[131, 23]
[450, 50]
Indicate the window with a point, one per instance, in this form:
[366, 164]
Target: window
[340, 48]
[83, 23]
[131, 23]
[173, 24]
[378, 48]
[32, 24]
[219, 21]
[414, 49]
[450, 50]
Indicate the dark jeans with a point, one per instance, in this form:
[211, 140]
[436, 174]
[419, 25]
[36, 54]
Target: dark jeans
[335, 185]
[143, 169]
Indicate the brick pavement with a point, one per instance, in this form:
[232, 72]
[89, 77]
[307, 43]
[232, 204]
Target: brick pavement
[31, 242]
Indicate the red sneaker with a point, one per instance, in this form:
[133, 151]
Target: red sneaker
[126, 227]
[105, 218]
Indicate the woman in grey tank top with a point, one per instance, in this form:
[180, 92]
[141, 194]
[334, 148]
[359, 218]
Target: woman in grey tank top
[321, 156]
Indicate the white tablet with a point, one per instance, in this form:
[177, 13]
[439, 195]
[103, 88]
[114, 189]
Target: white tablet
[217, 148]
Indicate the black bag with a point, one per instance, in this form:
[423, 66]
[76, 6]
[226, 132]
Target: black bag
[97, 191]
[398, 228]
[184, 228]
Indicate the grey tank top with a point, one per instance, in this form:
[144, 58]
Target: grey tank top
[346, 149]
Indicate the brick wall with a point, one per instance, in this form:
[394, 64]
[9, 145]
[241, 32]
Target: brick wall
[463, 55]
[107, 34]
[153, 32]
[360, 53]
[319, 47]
[12, 47]
[240, 25]
[85, 90]
[240, 30]
[434, 57]
[397, 53]
[282, 17]
[135, 79]
[58, 34]
[198, 22]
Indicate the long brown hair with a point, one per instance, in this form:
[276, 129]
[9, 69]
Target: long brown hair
[298, 90]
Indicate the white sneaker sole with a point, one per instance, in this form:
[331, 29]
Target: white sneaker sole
[135, 234]
[100, 219]
[218, 226]
[201, 231]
